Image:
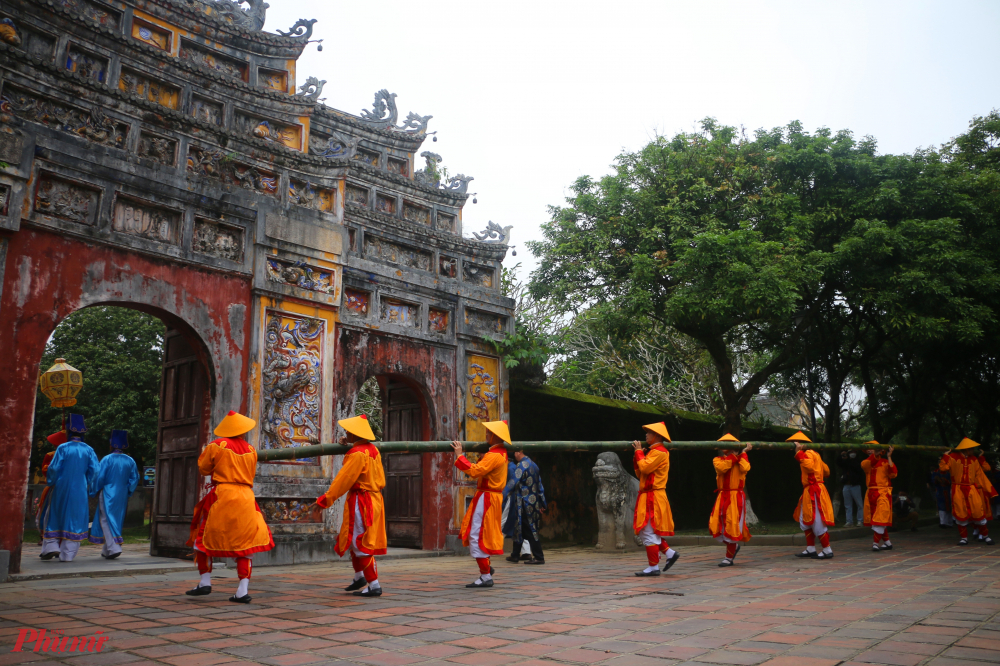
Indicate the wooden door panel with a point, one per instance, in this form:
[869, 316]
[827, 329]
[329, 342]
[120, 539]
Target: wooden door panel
[403, 417]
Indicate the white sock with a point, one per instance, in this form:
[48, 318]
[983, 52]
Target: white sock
[206, 580]
[828, 551]
[810, 549]
[241, 589]
[670, 552]
[650, 569]
[886, 542]
[486, 577]
[373, 585]
[358, 575]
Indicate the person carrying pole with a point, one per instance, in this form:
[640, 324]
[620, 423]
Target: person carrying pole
[481, 525]
[969, 485]
[878, 500]
[362, 531]
[728, 521]
[117, 479]
[814, 510]
[652, 519]
[227, 521]
[976, 532]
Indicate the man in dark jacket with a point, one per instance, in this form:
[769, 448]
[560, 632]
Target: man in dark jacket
[853, 479]
[527, 503]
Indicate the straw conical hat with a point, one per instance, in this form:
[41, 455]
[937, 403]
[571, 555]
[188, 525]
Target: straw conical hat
[966, 443]
[234, 425]
[799, 437]
[499, 428]
[359, 427]
[727, 438]
[658, 428]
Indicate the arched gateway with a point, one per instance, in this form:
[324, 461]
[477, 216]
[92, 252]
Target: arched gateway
[159, 154]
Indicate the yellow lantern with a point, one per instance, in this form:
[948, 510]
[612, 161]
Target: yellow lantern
[61, 383]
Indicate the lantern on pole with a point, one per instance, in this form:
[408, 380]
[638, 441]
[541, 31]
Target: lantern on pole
[61, 383]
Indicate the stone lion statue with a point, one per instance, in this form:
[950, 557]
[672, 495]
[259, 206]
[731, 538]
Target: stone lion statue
[617, 491]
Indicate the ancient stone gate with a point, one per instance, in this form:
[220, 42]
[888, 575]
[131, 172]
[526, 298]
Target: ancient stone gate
[160, 155]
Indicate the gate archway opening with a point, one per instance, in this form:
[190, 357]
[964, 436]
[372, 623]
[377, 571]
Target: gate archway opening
[398, 409]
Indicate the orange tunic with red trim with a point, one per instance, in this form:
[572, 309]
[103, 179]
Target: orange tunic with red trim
[491, 471]
[362, 477]
[814, 472]
[970, 489]
[651, 505]
[878, 499]
[227, 521]
[728, 517]
[986, 468]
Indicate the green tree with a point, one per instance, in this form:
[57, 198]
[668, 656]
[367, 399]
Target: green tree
[120, 353]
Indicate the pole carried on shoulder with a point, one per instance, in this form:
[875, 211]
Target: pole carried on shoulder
[332, 449]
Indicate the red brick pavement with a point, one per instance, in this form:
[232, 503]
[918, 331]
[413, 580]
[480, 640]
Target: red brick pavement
[926, 603]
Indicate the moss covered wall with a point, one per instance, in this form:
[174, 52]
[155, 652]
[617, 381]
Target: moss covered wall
[773, 484]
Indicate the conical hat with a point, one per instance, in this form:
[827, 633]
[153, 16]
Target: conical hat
[658, 428]
[966, 443]
[234, 425]
[873, 441]
[799, 437]
[727, 438]
[359, 427]
[499, 428]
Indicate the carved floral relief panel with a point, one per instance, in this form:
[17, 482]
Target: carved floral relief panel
[66, 199]
[93, 12]
[210, 112]
[385, 204]
[484, 323]
[36, 44]
[477, 274]
[158, 148]
[445, 222]
[269, 130]
[482, 394]
[273, 79]
[155, 91]
[85, 64]
[151, 34]
[399, 167]
[205, 161]
[321, 145]
[289, 511]
[291, 381]
[94, 125]
[251, 178]
[437, 320]
[357, 301]
[215, 239]
[202, 57]
[379, 248]
[308, 195]
[357, 195]
[146, 220]
[400, 313]
[447, 266]
[368, 157]
[302, 275]
[415, 213]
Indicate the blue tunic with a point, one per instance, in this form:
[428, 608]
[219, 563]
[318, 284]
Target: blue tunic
[71, 474]
[528, 496]
[116, 481]
[508, 527]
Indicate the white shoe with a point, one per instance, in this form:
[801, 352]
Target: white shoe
[848, 524]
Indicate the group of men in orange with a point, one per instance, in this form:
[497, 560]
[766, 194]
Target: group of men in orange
[228, 523]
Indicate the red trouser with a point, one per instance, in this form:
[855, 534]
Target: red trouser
[484, 564]
[365, 563]
[824, 539]
[243, 565]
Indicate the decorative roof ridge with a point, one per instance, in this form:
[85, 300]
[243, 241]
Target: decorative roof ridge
[176, 62]
[189, 10]
[475, 248]
[325, 111]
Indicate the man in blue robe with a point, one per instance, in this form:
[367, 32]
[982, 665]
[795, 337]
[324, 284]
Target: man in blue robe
[70, 475]
[527, 505]
[117, 479]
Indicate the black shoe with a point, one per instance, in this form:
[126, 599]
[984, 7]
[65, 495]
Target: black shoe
[368, 592]
[492, 571]
[356, 585]
[654, 572]
[534, 561]
[670, 561]
[245, 599]
[738, 546]
[512, 558]
[806, 553]
[199, 591]
[944, 527]
[885, 547]
[49, 556]
[111, 557]
[726, 563]
[824, 556]
[525, 557]
[481, 583]
[963, 542]
[988, 541]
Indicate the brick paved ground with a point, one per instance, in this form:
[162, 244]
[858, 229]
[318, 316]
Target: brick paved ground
[926, 602]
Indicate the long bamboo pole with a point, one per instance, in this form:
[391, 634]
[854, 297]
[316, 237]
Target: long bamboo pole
[332, 449]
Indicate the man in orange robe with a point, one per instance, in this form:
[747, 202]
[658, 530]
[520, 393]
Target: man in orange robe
[814, 511]
[652, 519]
[985, 465]
[481, 530]
[227, 521]
[363, 528]
[728, 522]
[969, 490]
[878, 500]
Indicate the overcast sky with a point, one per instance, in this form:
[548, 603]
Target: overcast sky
[528, 96]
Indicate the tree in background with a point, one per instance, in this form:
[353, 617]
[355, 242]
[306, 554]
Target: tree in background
[120, 353]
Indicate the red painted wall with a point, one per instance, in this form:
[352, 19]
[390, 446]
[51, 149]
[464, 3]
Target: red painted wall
[48, 276]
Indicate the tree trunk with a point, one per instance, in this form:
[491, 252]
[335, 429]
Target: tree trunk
[832, 415]
[878, 430]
